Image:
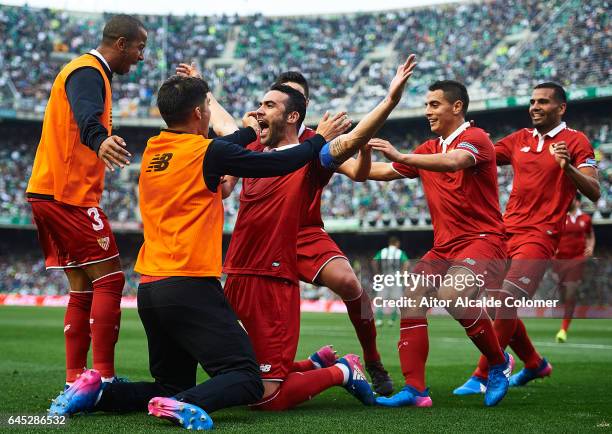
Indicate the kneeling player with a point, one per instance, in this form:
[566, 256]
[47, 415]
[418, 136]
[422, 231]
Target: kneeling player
[261, 262]
[460, 182]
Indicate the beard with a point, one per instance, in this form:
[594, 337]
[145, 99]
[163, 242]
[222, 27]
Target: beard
[275, 133]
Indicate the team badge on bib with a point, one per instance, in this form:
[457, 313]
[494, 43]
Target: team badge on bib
[104, 242]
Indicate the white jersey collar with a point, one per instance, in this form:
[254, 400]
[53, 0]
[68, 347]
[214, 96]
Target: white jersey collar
[447, 142]
[551, 133]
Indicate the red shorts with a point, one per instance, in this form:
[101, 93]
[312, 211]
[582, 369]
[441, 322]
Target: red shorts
[72, 236]
[530, 255]
[315, 249]
[269, 310]
[569, 270]
[485, 257]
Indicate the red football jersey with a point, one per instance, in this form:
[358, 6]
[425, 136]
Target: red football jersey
[319, 178]
[541, 192]
[264, 241]
[462, 204]
[573, 237]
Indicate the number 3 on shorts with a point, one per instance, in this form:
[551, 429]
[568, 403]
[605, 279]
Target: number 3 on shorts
[98, 224]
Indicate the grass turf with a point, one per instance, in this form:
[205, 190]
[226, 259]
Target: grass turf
[578, 397]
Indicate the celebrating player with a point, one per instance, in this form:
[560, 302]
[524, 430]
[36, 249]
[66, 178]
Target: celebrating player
[550, 161]
[575, 246]
[65, 189]
[321, 261]
[180, 300]
[460, 182]
[261, 262]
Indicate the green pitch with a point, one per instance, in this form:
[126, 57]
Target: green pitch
[578, 397]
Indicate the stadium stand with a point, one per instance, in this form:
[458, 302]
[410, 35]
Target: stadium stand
[524, 42]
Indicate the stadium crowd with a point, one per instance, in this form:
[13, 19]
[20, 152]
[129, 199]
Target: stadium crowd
[345, 57]
[372, 203]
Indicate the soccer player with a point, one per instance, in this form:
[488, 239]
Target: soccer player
[65, 187]
[389, 261]
[320, 260]
[575, 246]
[180, 300]
[261, 262]
[459, 177]
[550, 162]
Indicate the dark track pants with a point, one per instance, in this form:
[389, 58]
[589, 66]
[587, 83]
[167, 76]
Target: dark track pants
[188, 322]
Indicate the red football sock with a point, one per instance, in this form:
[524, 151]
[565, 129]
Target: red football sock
[77, 333]
[302, 366]
[479, 329]
[413, 348]
[566, 323]
[301, 386]
[504, 327]
[570, 305]
[104, 321]
[362, 316]
[522, 346]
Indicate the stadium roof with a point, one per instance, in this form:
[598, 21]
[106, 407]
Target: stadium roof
[241, 7]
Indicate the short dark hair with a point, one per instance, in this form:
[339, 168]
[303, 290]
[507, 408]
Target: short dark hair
[296, 102]
[293, 77]
[453, 91]
[394, 240]
[178, 96]
[559, 92]
[121, 25]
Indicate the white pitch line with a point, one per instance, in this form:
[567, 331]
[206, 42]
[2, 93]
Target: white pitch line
[548, 344]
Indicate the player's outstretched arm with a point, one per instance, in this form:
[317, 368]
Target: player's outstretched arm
[383, 172]
[343, 147]
[452, 161]
[585, 178]
[358, 168]
[222, 122]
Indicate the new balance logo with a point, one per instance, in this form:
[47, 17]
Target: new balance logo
[159, 162]
[265, 368]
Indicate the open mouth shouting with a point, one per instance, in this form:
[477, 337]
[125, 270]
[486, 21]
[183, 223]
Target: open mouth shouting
[264, 128]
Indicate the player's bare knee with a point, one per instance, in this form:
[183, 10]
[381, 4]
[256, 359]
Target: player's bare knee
[415, 310]
[349, 287]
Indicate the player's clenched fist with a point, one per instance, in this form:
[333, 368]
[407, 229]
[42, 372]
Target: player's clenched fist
[113, 153]
[250, 120]
[331, 127]
[561, 154]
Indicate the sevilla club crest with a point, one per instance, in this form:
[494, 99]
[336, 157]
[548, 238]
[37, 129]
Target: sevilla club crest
[104, 242]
